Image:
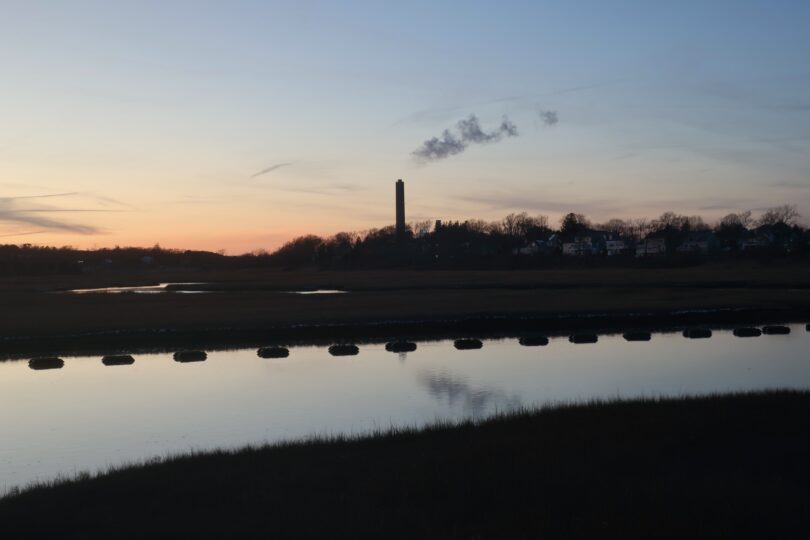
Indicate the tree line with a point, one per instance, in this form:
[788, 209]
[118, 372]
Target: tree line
[472, 243]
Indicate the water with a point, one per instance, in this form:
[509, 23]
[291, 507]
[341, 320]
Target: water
[141, 289]
[87, 416]
[177, 288]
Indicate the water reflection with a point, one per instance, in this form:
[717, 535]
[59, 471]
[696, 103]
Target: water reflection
[89, 416]
[319, 291]
[455, 391]
[143, 289]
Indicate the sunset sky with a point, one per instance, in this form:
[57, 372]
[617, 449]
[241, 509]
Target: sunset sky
[237, 125]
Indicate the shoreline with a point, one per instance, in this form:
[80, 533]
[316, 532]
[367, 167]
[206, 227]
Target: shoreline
[495, 326]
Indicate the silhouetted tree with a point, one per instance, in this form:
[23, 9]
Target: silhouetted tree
[785, 214]
[573, 224]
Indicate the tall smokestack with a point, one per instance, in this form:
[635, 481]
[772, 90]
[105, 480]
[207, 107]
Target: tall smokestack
[400, 189]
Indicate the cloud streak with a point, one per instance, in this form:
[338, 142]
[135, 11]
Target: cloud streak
[16, 211]
[270, 169]
[469, 132]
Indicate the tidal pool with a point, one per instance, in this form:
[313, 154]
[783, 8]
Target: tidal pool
[86, 416]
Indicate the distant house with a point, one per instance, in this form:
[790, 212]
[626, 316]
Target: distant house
[539, 247]
[595, 243]
[651, 246]
[753, 241]
[779, 236]
[699, 242]
[580, 247]
[530, 249]
[615, 247]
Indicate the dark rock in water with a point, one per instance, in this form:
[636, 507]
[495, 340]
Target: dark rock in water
[533, 341]
[190, 356]
[583, 338]
[747, 332]
[118, 360]
[48, 362]
[273, 352]
[400, 346]
[807, 327]
[775, 330]
[343, 350]
[637, 336]
[697, 333]
[467, 344]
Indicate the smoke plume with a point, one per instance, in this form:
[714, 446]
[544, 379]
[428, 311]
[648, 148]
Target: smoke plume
[549, 117]
[469, 132]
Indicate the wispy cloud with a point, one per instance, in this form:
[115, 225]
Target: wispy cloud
[331, 188]
[270, 169]
[469, 132]
[445, 112]
[22, 233]
[529, 201]
[26, 211]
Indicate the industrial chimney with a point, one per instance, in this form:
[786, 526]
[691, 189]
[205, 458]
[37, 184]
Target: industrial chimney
[400, 189]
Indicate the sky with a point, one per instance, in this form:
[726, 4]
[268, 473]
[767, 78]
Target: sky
[238, 125]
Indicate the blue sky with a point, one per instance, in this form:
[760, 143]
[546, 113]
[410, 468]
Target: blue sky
[149, 119]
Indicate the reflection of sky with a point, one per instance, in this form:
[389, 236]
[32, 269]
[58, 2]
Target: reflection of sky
[153, 120]
[87, 415]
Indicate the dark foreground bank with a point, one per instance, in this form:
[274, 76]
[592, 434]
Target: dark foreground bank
[713, 467]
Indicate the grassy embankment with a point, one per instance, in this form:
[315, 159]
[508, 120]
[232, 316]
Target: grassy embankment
[713, 467]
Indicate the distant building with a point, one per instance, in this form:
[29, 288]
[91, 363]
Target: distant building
[651, 246]
[780, 237]
[548, 246]
[615, 247]
[580, 247]
[699, 242]
[400, 202]
[595, 243]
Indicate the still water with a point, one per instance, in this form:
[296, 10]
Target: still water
[180, 288]
[87, 416]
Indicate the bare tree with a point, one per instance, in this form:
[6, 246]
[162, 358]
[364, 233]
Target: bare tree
[669, 220]
[695, 223]
[618, 226]
[639, 228]
[786, 214]
[517, 225]
[420, 228]
[541, 221]
[739, 219]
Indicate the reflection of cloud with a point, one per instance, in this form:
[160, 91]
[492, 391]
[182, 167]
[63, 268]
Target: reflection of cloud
[474, 401]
